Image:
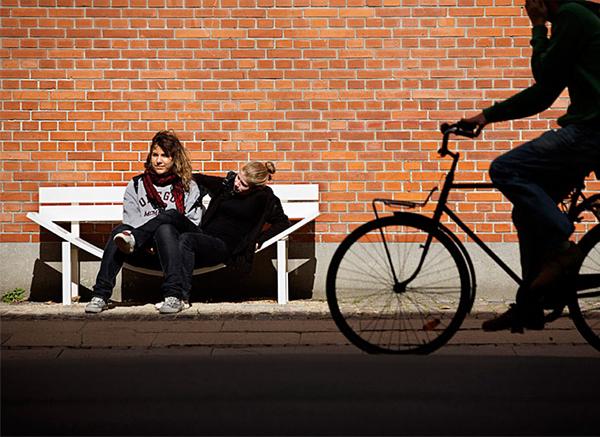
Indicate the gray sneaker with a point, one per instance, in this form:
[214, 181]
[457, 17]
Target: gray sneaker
[171, 305]
[159, 305]
[96, 305]
[125, 242]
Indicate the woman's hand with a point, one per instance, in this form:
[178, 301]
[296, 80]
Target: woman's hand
[537, 11]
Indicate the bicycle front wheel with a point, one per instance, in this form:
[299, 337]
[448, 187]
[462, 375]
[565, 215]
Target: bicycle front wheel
[585, 308]
[398, 285]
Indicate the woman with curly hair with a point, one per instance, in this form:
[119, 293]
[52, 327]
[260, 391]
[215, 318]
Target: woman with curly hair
[165, 188]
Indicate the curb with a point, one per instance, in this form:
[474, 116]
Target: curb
[256, 326]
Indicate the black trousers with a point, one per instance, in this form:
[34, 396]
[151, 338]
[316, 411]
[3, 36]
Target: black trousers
[163, 233]
[199, 250]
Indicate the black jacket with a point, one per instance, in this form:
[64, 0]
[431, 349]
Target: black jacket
[273, 215]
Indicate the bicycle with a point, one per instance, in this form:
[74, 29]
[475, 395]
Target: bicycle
[405, 282]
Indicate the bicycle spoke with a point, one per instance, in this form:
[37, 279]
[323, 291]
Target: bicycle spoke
[380, 315]
[585, 309]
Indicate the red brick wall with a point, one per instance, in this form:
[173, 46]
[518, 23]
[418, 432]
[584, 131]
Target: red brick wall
[347, 94]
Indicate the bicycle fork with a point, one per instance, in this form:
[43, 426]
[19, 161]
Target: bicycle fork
[400, 287]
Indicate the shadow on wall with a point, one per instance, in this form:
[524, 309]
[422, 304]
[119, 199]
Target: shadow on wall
[224, 285]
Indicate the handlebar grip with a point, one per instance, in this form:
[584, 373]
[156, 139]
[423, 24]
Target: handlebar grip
[467, 127]
[462, 128]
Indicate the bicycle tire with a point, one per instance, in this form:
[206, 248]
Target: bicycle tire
[585, 307]
[360, 286]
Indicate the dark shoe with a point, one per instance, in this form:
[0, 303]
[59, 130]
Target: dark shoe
[516, 319]
[557, 266]
[556, 296]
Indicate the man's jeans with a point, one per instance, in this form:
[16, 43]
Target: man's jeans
[163, 231]
[535, 177]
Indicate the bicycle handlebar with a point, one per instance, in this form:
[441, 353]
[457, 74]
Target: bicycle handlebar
[462, 128]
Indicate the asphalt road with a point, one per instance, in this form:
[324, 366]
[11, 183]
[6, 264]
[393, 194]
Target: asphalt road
[167, 393]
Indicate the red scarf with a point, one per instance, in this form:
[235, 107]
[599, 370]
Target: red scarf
[151, 179]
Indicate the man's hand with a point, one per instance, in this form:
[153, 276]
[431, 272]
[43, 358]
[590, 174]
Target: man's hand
[479, 120]
[537, 11]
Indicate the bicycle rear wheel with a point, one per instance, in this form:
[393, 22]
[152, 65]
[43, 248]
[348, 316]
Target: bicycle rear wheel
[585, 308]
[418, 313]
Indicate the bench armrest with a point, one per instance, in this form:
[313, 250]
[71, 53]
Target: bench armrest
[288, 231]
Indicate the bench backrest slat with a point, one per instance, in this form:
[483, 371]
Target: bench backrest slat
[299, 210]
[105, 204]
[298, 192]
[83, 213]
[82, 194]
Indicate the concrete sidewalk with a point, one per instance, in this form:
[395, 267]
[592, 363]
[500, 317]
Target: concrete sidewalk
[259, 327]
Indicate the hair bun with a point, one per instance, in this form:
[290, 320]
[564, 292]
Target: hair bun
[270, 167]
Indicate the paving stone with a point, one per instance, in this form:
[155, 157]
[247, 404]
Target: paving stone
[4, 336]
[43, 339]
[292, 325]
[226, 338]
[323, 338]
[505, 337]
[42, 325]
[118, 337]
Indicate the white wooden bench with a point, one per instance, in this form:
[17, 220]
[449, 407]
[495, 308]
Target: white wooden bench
[77, 205]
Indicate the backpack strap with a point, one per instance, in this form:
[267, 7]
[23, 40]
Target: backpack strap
[136, 182]
[198, 202]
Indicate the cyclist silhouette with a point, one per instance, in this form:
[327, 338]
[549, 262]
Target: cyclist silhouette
[537, 175]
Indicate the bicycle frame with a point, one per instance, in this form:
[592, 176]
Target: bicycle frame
[443, 208]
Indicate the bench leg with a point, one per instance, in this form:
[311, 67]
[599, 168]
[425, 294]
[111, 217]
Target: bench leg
[66, 273]
[74, 272]
[70, 273]
[282, 272]
[74, 263]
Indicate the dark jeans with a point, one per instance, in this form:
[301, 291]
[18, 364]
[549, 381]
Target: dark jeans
[535, 177]
[144, 233]
[163, 231]
[199, 250]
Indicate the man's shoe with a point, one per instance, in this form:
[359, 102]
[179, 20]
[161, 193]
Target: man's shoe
[171, 305]
[557, 266]
[96, 305]
[516, 319]
[125, 242]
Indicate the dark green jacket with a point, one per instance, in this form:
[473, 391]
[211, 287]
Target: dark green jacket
[570, 58]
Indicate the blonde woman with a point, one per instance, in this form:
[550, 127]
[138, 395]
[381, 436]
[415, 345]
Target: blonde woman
[165, 189]
[232, 226]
